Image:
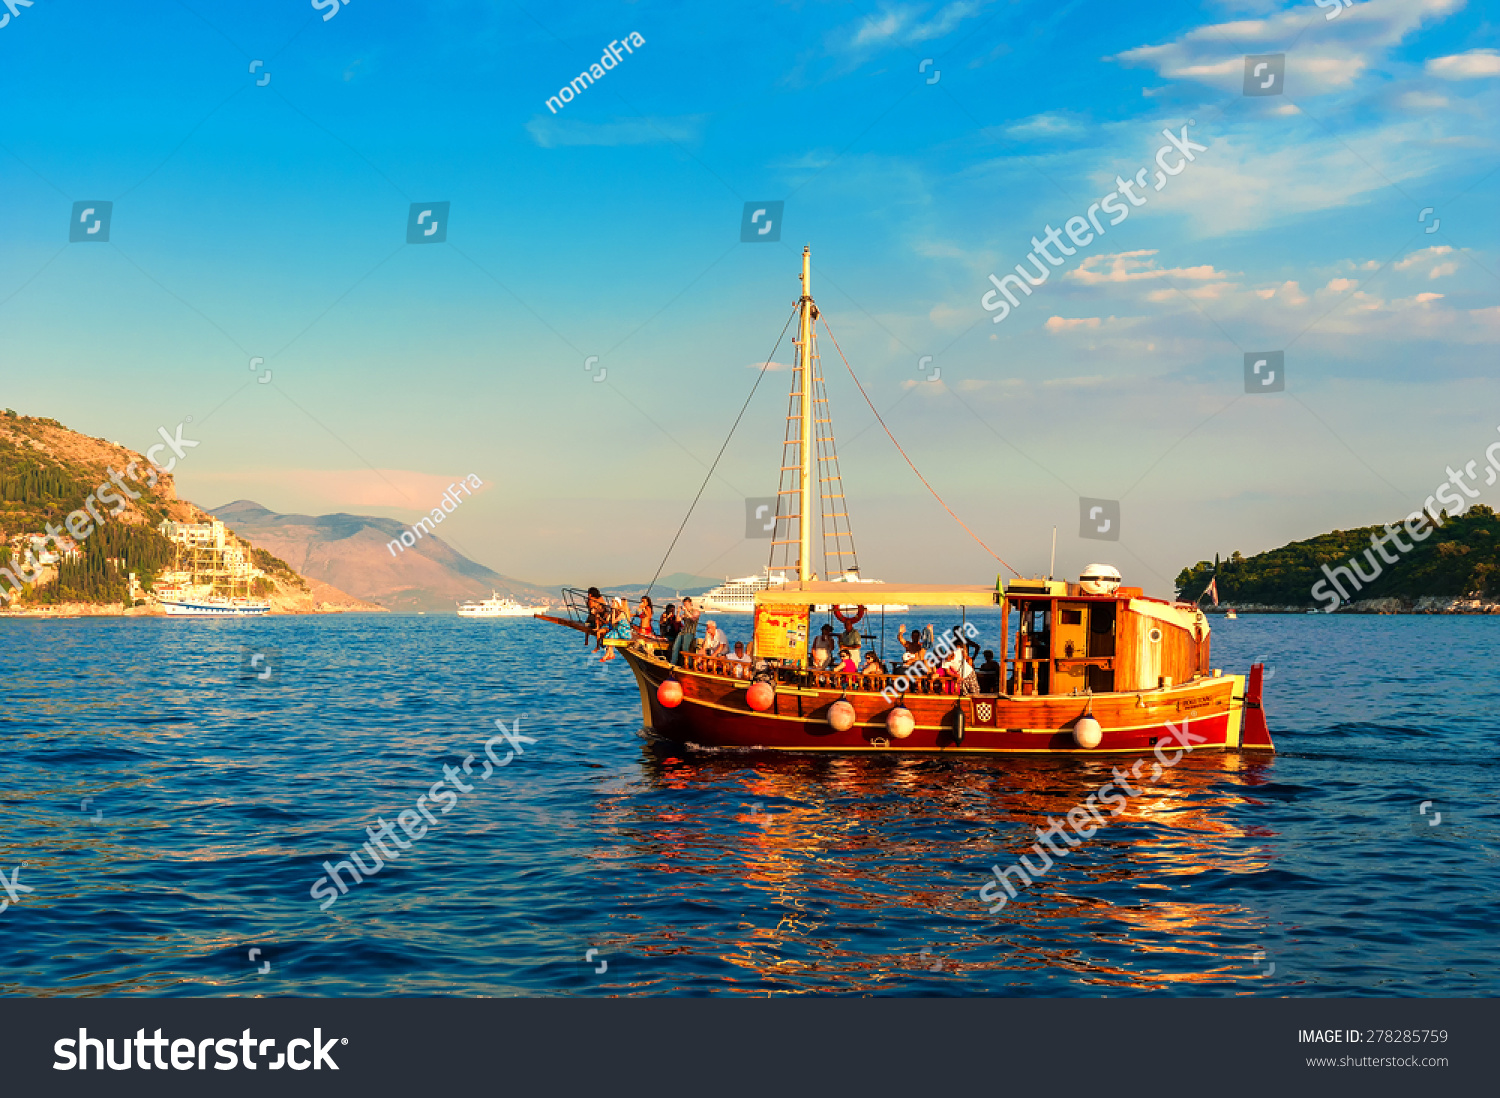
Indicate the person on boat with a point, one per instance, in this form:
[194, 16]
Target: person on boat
[957, 639]
[989, 674]
[846, 664]
[618, 633]
[916, 649]
[740, 660]
[687, 632]
[714, 643]
[598, 618]
[851, 639]
[824, 642]
[873, 665]
[959, 669]
[644, 612]
[668, 627]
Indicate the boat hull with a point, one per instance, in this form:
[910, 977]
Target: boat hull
[1208, 713]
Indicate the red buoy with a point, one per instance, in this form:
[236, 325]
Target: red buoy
[841, 716]
[760, 697]
[669, 693]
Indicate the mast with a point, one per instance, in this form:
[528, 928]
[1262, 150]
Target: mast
[805, 449]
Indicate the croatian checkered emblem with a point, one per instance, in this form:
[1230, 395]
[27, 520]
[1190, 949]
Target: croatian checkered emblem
[984, 712]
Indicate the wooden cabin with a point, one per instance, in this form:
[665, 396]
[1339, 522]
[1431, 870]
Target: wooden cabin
[1087, 637]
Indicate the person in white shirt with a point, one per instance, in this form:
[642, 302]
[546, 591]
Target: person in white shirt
[740, 658]
[714, 642]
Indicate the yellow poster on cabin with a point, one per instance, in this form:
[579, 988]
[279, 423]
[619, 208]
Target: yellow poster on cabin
[781, 633]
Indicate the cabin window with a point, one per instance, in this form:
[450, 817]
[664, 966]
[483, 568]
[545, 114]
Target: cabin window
[1072, 617]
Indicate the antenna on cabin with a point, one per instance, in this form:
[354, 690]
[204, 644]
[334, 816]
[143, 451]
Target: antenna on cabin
[1052, 565]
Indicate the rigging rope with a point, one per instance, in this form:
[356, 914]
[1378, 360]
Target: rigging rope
[897, 445]
[715, 465]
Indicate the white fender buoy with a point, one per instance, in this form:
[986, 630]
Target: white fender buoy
[900, 723]
[841, 716]
[1087, 733]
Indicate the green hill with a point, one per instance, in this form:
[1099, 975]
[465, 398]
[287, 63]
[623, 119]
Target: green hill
[1461, 558]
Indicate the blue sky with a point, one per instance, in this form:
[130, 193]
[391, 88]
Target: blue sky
[269, 221]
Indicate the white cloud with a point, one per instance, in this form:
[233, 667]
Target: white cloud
[1132, 266]
[549, 132]
[1466, 66]
[1328, 61]
[1429, 256]
[903, 23]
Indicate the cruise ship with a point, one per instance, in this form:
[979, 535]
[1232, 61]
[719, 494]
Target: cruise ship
[737, 596]
[497, 607]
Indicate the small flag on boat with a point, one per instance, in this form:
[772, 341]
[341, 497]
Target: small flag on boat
[1211, 589]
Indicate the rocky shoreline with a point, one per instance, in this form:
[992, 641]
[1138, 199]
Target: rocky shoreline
[1426, 604]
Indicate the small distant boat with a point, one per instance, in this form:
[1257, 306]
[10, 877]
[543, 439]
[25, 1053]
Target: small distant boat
[214, 606]
[497, 607]
[1230, 615]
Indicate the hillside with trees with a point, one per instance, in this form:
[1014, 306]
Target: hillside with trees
[47, 472]
[1460, 559]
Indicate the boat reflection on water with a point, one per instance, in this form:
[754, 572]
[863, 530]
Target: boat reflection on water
[858, 875]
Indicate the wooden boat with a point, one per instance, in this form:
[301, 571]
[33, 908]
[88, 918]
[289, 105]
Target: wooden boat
[1092, 667]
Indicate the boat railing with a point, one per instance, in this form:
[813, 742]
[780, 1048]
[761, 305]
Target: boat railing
[821, 680]
[576, 604]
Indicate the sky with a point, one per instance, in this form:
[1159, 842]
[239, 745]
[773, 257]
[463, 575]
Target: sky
[586, 327]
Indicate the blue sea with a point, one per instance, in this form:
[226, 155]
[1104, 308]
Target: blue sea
[169, 810]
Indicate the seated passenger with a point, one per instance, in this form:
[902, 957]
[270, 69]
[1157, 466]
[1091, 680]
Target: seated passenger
[598, 618]
[644, 612]
[989, 674]
[714, 642]
[618, 633]
[740, 659]
[873, 665]
[846, 664]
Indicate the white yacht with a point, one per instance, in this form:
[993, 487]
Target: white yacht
[497, 607]
[214, 606]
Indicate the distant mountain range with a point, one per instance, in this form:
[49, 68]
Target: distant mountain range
[678, 583]
[350, 552]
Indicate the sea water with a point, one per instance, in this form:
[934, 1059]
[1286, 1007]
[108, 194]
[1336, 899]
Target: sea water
[169, 802]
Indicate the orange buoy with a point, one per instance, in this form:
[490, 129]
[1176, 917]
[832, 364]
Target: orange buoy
[841, 716]
[669, 693]
[760, 697]
[900, 723]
